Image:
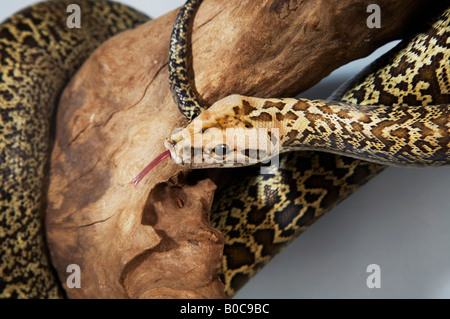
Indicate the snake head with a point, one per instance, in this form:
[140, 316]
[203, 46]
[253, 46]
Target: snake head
[222, 136]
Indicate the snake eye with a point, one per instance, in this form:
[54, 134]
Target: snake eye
[220, 150]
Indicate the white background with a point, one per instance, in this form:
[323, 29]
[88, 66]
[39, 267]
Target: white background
[400, 220]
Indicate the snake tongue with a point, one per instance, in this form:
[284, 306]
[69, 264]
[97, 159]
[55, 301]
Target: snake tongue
[149, 167]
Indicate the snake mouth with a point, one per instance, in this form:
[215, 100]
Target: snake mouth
[170, 146]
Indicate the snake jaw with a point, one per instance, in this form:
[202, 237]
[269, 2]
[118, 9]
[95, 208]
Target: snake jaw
[170, 146]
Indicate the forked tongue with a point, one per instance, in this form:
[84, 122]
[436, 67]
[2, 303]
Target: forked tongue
[149, 167]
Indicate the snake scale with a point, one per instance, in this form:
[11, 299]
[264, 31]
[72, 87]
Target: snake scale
[38, 55]
[395, 112]
[258, 216]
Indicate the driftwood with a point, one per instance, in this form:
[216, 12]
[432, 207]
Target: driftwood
[155, 241]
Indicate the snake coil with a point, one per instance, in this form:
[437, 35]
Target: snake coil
[38, 56]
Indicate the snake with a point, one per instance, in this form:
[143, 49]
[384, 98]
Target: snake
[395, 112]
[241, 130]
[39, 54]
[258, 217]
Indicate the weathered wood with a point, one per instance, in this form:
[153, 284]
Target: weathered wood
[155, 241]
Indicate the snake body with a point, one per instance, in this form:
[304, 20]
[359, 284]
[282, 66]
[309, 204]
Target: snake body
[39, 53]
[396, 112]
[182, 91]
